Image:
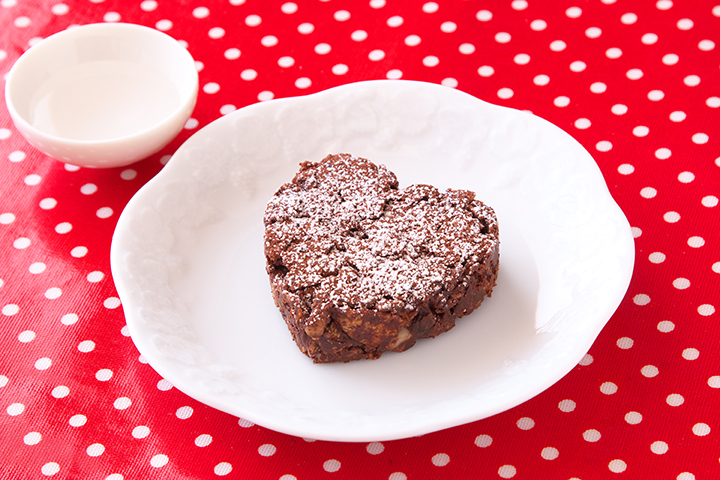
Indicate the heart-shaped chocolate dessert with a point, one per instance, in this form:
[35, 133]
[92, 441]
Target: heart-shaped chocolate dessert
[358, 266]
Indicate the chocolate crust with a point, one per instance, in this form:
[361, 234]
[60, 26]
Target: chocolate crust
[358, 266]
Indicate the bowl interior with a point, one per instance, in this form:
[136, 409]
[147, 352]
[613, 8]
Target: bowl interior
[113, 50]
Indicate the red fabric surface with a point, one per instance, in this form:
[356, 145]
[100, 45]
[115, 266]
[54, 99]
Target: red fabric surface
[637, 83]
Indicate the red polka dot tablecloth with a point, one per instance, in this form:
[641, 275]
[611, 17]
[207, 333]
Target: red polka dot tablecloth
[637, 83]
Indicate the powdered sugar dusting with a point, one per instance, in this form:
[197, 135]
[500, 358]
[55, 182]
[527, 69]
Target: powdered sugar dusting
[342, 234]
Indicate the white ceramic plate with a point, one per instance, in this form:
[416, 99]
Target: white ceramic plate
[187, 259]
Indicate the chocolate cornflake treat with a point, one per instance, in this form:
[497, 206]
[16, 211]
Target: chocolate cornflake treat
[358, 266]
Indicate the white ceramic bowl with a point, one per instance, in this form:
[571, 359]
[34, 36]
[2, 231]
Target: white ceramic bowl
[102, 95]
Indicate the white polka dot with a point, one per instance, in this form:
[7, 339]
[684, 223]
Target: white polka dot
[7, 218]
[664, 4]
[567, 405]
[104, 212]
[561, 101]
[394, 74]
[430, 7]
[448, 27]
[128, 174]
[306, 28]
[61, 391]
[466, 48]
[376, 55]
[541, 80]
[626, 169]
[691, 80]
[322, 48]
[32, 179]
[593, 32]
[662, 153]
[17, 156]
[613, 53]
[649, 39]
[341, 15]
[648, 192]
[678, 116]
[484, 15]
[3, 380]
[598, 87]
[248, 74]
[69, 319]
[63, 227]
[71, 168]
[670, 59]
[656, 257]
[440, 459]
[112, 17]
[15, 409]
[21, 243]
[289, 8]
[706, 310]
[228, 108]
[10, 309]
[507, 471]
[582, 123]
[557, 45]
[141, 431]
[691, 354]
[710, 201]
[86, 346]
[591, 435]
[608, 388]
[525, 423]
[578, 66]
[538, 25]
[26, 336]
[617, 466]
[201, 12]
[232, 53]
[700, 138]
[340, 69]
[159, 460]
[666, 326]
[253, 20]
[549, 453]
[429, 61]
[245, 423]
[634, 74]
[649, 371]
[77, 420]
[286, 62]
[375, 448]
[331, 465]
[714, 381]
[685, 24]
[211, 88]
[267, 450]
[713, 102]
[628, 18]
[686, 177]
[659, 448]
[625, 343]
[222, 469]
[573, 12]
[303, 83]
[267, 41]
[655, 95]
[586, 360]
[486, 71]
[165, 25]
[619, 109]
[183, 413]
[519, 4]
[636, 232]
[104, 374]
[675, 400]
[95, 450]
[483, 441]
[32, 438]
[360, 35]
[522, 59]
[603, 146]
[701, 429]
[49, 469]
[412, 40]
[505, 93]
[373, 3]
[671, 217]
[503, 37]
